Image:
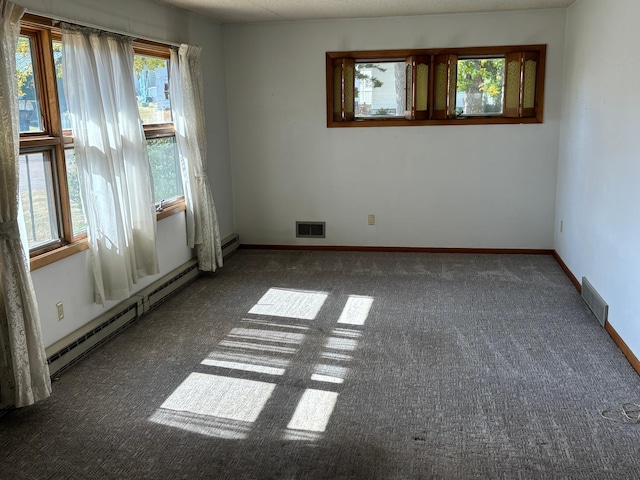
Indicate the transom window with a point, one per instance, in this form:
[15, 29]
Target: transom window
[436, 87]
[379, 89]
[480, 86]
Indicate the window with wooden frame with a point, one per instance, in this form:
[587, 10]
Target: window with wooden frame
[151, 68]
[44, 189]
[455, 86]
[49, 185]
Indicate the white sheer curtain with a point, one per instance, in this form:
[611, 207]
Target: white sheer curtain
[188, 115]
[116, 186]
[24, 374]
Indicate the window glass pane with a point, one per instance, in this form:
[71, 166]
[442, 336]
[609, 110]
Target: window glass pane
[37, 197]
[64, 109]
[165, 168]
[480, 86]
[28, 102]
[380, 89]
[78, 219]
[152, 88]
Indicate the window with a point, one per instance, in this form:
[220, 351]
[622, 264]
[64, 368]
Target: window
[151, 71]
[38, 197]
[480, 86]
[43, 188]
[78, 220]
[28, 97]
[436, 87]
[167, 179]
[62, 98]
[152, 89]
[49, 184]
[379, 89]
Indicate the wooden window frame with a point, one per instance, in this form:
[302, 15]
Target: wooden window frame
[160, 130]
[51, 138]
[43, 31]
[433, 57]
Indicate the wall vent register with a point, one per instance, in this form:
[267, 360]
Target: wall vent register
[595, 302]
[310, 229]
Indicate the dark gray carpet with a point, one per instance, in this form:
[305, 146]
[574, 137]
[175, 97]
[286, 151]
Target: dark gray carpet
[465, 367]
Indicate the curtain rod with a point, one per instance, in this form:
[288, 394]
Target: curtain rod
[99, 27]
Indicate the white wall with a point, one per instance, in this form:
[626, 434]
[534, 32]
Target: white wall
[70, 280]
[599, 164]
[434, 186]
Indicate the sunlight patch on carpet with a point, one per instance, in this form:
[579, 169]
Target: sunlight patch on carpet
[221, 397]
[275, 336]
[344, 344]
[329, 373]
[356, 310]
[279, 302]
[313, 411]
[244, 346]
[202, 424]
[246, 358]
[247, 367]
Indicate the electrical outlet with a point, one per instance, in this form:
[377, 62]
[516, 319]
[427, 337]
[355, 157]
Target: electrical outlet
[60, 309]
[372, 219]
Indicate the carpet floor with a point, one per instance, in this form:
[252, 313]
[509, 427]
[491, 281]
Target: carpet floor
[344, 365]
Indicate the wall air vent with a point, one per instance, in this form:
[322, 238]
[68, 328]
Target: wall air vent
[595, 302]
[310, 229]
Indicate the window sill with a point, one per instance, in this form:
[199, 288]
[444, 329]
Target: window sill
[171, 210]
[402, 122]
[53, 256]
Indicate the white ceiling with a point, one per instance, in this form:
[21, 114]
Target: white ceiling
[247, 11]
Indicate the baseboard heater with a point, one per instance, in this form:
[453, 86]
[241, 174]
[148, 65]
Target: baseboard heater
[64, 353]
[73, 347]
[161, 293]
[230, 245]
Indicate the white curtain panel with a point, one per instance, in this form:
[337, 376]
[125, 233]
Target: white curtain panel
[116, 186]
[24, 374]
[187, 104]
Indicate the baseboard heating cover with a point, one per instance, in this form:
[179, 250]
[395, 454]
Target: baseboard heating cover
[595, 302]
[64, 353]
[159, 293]
[230, 244]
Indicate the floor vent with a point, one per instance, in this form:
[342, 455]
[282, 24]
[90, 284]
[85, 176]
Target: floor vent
[595, 302]
[310, 229]
[230, 245]
[73, 347]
